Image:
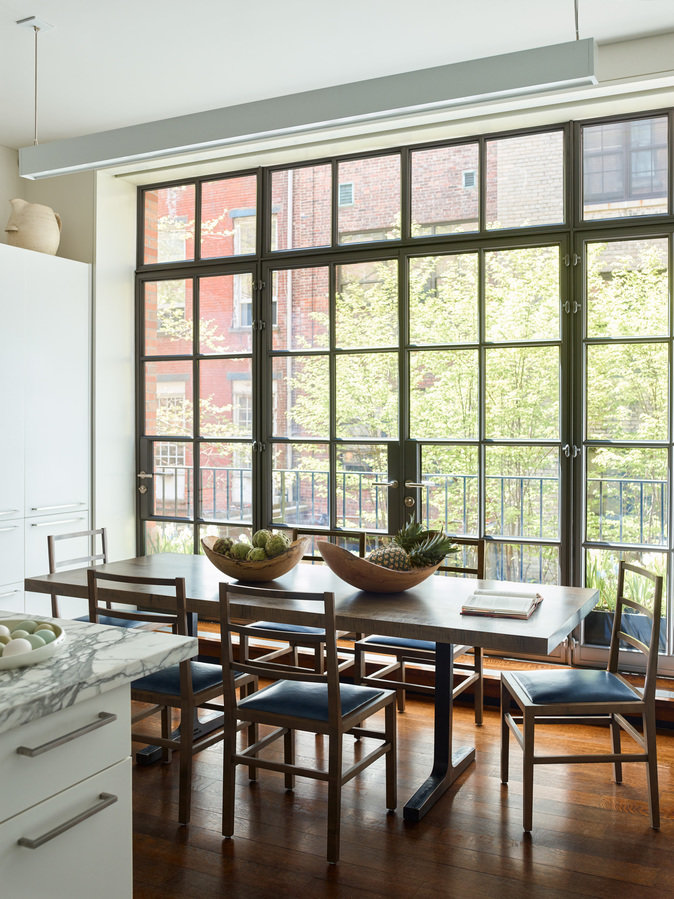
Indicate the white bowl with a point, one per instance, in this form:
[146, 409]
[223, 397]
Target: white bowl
[23, 659]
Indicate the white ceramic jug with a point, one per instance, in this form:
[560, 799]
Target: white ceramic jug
[33, 227]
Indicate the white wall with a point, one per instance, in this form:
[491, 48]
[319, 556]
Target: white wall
[72, 196]
[10, 185]
[114, 463]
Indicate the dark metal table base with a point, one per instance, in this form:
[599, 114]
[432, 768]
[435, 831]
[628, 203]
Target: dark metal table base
[448, 764]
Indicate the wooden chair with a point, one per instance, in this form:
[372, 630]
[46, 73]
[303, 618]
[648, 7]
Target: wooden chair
[299, 700]
[310, 638]
[422, 652]
[188, 686]
[575, 696]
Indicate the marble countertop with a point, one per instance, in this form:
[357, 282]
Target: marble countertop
[94, 659]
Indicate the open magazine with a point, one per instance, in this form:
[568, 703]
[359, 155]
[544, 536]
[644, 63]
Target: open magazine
[501, 603]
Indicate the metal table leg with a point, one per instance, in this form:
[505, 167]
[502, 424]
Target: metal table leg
[448, 763]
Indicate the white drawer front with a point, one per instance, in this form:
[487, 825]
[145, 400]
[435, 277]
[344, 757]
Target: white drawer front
[27, 780]
[12, 597]
[89, 858]
[11, 552]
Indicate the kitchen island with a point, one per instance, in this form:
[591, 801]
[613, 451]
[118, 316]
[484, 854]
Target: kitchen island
[65, 763]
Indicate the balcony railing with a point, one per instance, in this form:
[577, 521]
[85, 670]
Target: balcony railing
[620, 510]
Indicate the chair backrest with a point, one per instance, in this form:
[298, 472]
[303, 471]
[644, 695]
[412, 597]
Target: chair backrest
[241, 604]
[93, 557]
[168, 594]
[640, 593]
[349, 540]
[474, 567]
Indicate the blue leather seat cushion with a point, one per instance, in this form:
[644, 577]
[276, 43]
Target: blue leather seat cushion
[167, 681]
[574, 685]
[307, 700]
[289, 628]
[400, 642]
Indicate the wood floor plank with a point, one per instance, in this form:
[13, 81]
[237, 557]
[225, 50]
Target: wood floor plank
[591, 836]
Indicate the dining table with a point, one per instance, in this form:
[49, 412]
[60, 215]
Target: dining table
[430, 611]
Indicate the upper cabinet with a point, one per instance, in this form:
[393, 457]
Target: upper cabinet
[11, 382]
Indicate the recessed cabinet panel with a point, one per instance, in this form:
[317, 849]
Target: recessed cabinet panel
[56, 388]
[11, 552]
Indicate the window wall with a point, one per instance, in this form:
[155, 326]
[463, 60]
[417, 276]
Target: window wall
[476, 333]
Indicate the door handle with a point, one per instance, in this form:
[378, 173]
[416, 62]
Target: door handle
[143, 474]
[393, 484]
[421, 484]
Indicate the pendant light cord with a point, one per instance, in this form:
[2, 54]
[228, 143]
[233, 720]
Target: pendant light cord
[36, 30]
[575, 9]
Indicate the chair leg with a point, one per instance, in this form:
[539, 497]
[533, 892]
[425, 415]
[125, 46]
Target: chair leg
[334, 796]
[651, 749]
[528, 770]
[228, 780]
[391, 757]
[166, 725]
[358, 665]
[505, 733]
[186, 747]
[400, 693]
[289, 756]
[615, 742]
[479, 685]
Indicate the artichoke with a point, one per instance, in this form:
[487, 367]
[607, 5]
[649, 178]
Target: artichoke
[277, 544]
[257, 554]
[223, 545]
[260, 537]
[240, 551]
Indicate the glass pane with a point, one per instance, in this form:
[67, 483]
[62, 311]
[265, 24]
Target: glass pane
[625, 168]
[301, 201]
[454, 502]
[360, 504]
[303, 300]
[525, 180]
[445, 190]
[226, 481]
[444, 394]
[167, 537]
[172, 482]
[627, 492]
[522, 562]
[367, 396]
[601, 572]
[443, 299]
[522, 393]
[522, 491]
[168, 398]
[628, 288]
[228, 216]
[168, 220]
[301, 484]
[168, 317]
[366, 313]
[301, 405]
[369, 199]
[522, 294]
[226, 398]
[226, 313]
[627, 392]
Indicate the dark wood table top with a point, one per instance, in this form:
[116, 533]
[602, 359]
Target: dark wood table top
[430, 611]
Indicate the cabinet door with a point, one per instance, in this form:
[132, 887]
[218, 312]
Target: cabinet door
[12, 308]
[90, 858]
[11, 565]
[56, 392]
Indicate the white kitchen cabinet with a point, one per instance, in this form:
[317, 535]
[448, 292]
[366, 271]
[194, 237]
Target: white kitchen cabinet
[11, 564]
[45, 377]
[37, 561]
[67, 796]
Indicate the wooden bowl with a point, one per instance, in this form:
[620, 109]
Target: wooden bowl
[368, 576]
[250, 572]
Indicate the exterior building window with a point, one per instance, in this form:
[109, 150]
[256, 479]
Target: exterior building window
[346, 193]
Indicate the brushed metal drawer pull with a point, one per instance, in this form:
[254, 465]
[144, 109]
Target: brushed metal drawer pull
[9, 511]
[106, 799]
[12, 527]
[55, 508]
[50, 524]
[7, 593]
[103, 719]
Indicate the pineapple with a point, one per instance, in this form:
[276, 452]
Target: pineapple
[391, 556]
[431, 550]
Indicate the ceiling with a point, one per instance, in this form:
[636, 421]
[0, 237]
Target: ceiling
[106, 65]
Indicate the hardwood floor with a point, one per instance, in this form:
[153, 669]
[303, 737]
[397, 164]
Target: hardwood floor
[591, 836]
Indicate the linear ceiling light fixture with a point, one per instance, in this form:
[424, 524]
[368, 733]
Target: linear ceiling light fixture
[527, 72]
